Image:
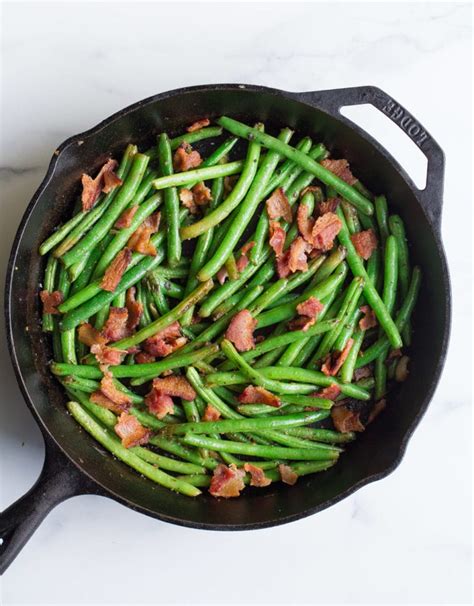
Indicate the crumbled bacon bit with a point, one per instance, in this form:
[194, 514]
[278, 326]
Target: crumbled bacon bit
[115, 328]
[277, 238]
[243, 259]
[201, 194]
[227, 481]
[143, 357]
[101, 400]
[369, 320]
[365, 242]
[328, 206]
[330, 393]
[240, 330]
[311, 188]
[187, 199]
[305, 222]
[298, 260]
[107, 387]
[325, 230]
[301, 323]
[283, 267]
[376, 410]
[257, 476]
[126, 218]
[211, 414]
[346, 420]
[198, 125]
[278, 206]
[166, 341]
[105, 181]
[159, 403]
[89, 335]
[247, 247]
[114, 272]
[394, 353]
[175, 385]
[334, 361]
[51, 300]
[185, 158]
[131, 431]
[222, 274]
[140, 239]
[134, 308]
[341, 169]
[401, 371]
[258, 395]
[288, 476]
[362, 373]
[311, 307]
[107, 355]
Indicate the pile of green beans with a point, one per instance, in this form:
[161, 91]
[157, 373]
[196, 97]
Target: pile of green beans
[213, 261]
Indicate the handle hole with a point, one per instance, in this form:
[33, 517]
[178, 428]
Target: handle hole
[393, 138]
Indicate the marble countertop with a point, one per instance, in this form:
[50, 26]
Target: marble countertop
[405, 540]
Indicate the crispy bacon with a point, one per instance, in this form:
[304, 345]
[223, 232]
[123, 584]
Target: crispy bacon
[185, 158]
[330, 393]
[159, 404]
[222, 274]
[105, 181]
[401, 371]
[240, 330]
[258, 395]
[376, 410]
[114, 272]
[288, 476]
[283, 265]
[140, 241]
[341, 169]
[187, 200]
[107, 387]
[51, 300]
[107, 355]
[175, 385]
[101, 400]
[134, 308]
[166, 341]
[227, 482]
[198, 125]
[311, 307]
[311, 188]
[328, 206]
[242, 263]
[298, 255]
[201, 194]
[277, 238]
[362, 373]
[394, 353]
[325, 230]
[278, 206]
[257, 476]
[142, 357]
[131, 431]
[301, 323]
[89, 335]
[334, 361]
[346, 420]
[305, 223]
[126, 218]
[211, 414]
[365, 242]
[369, 320]
[115, 328]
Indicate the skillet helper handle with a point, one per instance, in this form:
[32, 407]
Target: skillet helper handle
[59, 480]
[431, 197]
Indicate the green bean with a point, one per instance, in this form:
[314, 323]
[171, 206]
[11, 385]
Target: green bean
[391, 273]
[397, 229]
[218, 156]
[48, 284]
[352, 219]
[284, 171]
[197, 135]
[171, 202]
[199, 174]
[200, 480]
[231, 267]
[347, 370]
[119, 300]
[269, 295]
[370, 292]
[57, 350]
[327, 177]
[323, 435]
[238, 193]
[108, 441]
[380, 376]
[57, 236]
[381, 212]
[90, 262]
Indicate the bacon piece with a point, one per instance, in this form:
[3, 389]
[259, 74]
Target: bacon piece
[288, 476]
[227, 482]
[185, 158]
[222, 275]
[51, 300]
[198, 125]
[330, 393]
[365, 242]
[159, 404]
[257, 476]
[115, 328]
[166, 341]
[259, 395]
[334, 361]
[240, 330]
[346, 420]
[298, 260]
[277, 238]
[107, 387]
[278, 206]
[98, 398]
[210, 414]
[142, 357]
[242, 263]
[369, 320]
[305, 223]
[394, 353]
[401, 371]
[201, 194]
[328, 206]
[134, 308]
[311, 307]
[301, 323]
[362, 373]
[325, 230]
[105, 181]
[187, 199]
[376, 410]
[125, 219]
[114, 272]
[131, 431]
[140, 239]
[89, 335]
[341, 169]
[283, 265]
[107, 355]
[175, 385]
[312, 188]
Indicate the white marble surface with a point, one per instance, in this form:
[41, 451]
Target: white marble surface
[404, 540]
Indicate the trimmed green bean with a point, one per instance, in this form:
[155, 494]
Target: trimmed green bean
[197, 135]
[171, 202]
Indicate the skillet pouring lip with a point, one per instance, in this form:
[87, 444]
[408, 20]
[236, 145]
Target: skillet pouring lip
[208, 525]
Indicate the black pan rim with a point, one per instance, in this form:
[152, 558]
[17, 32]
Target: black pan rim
[30, 401]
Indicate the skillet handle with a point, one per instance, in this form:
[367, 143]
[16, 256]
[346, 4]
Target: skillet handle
[59, 480]
[431, 198]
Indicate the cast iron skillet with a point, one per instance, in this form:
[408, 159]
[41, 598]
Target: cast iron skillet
[75, 464]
